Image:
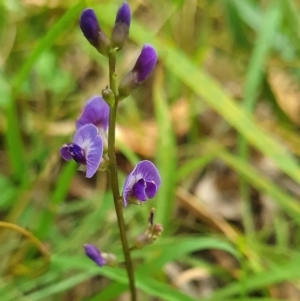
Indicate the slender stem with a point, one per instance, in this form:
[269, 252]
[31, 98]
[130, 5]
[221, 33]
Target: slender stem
[114, 174]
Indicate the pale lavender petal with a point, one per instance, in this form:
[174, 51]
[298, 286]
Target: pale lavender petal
[127, 187]
[84, 136]
[96, 112]
[151, 189]
[93, 253]
[93, 156]
[138, 190]
[64, 152]
[126, 192]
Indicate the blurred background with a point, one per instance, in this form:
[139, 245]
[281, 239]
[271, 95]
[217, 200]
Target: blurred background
[220, 118]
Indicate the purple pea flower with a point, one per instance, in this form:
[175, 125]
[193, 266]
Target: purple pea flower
[141, 183]
[86, 149]
[141, 70]
[91, 30]
[122, 24]
[93, 253]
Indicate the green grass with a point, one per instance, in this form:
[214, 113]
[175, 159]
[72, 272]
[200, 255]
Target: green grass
[214, 62]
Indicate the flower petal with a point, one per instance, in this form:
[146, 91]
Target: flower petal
[127, 187]
[93, 253]
[96, 112]
[64, 152]
[150, 190]
[148, 171]
[85, 135]
[138, 190]
[77, 153]
[93, 156]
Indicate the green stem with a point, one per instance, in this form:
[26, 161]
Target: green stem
[114, 174]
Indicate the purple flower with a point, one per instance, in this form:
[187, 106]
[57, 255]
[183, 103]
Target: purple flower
[141, 70]
[86, 149]
[141, 183]
[91, 30]
[122, 24]
[96, 112]
[93, 253]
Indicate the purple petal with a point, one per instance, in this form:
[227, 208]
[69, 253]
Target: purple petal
[77, 153]
[84, 136]
[93, 253]
[96, 112]
[93, 156]
[138, 190]
[145, 63]
[89, 26]
[150, 190]
[64, 152]
[123, 14]
[147, 170]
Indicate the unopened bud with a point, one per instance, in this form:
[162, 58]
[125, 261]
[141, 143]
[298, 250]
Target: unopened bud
[142, 240]
[149, 236]
[100, 258]
[141, 70]
[121, 29]
[91, 30]
[94, 254]
[108, 96]
[157, 229]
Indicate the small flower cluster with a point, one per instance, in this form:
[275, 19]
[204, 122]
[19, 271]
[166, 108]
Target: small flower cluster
[90, 142]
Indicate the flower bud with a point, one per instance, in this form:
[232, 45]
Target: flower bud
[121, 29]
[94, 254]
[141, 70]
[99, 258]
[91, 30]
[150, 235]
[157, 230]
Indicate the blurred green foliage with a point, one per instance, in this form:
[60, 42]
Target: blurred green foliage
[224, 93]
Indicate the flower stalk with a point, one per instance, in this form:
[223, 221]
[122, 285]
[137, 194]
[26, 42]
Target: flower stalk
[113, 173]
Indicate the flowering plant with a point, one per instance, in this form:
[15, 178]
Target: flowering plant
[93, 144]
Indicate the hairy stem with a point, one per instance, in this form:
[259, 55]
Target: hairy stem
[114, 174]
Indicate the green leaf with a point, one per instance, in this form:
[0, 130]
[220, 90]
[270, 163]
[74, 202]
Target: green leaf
[170, 249]
[148, 285]
[272, 276]
[165, 156]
